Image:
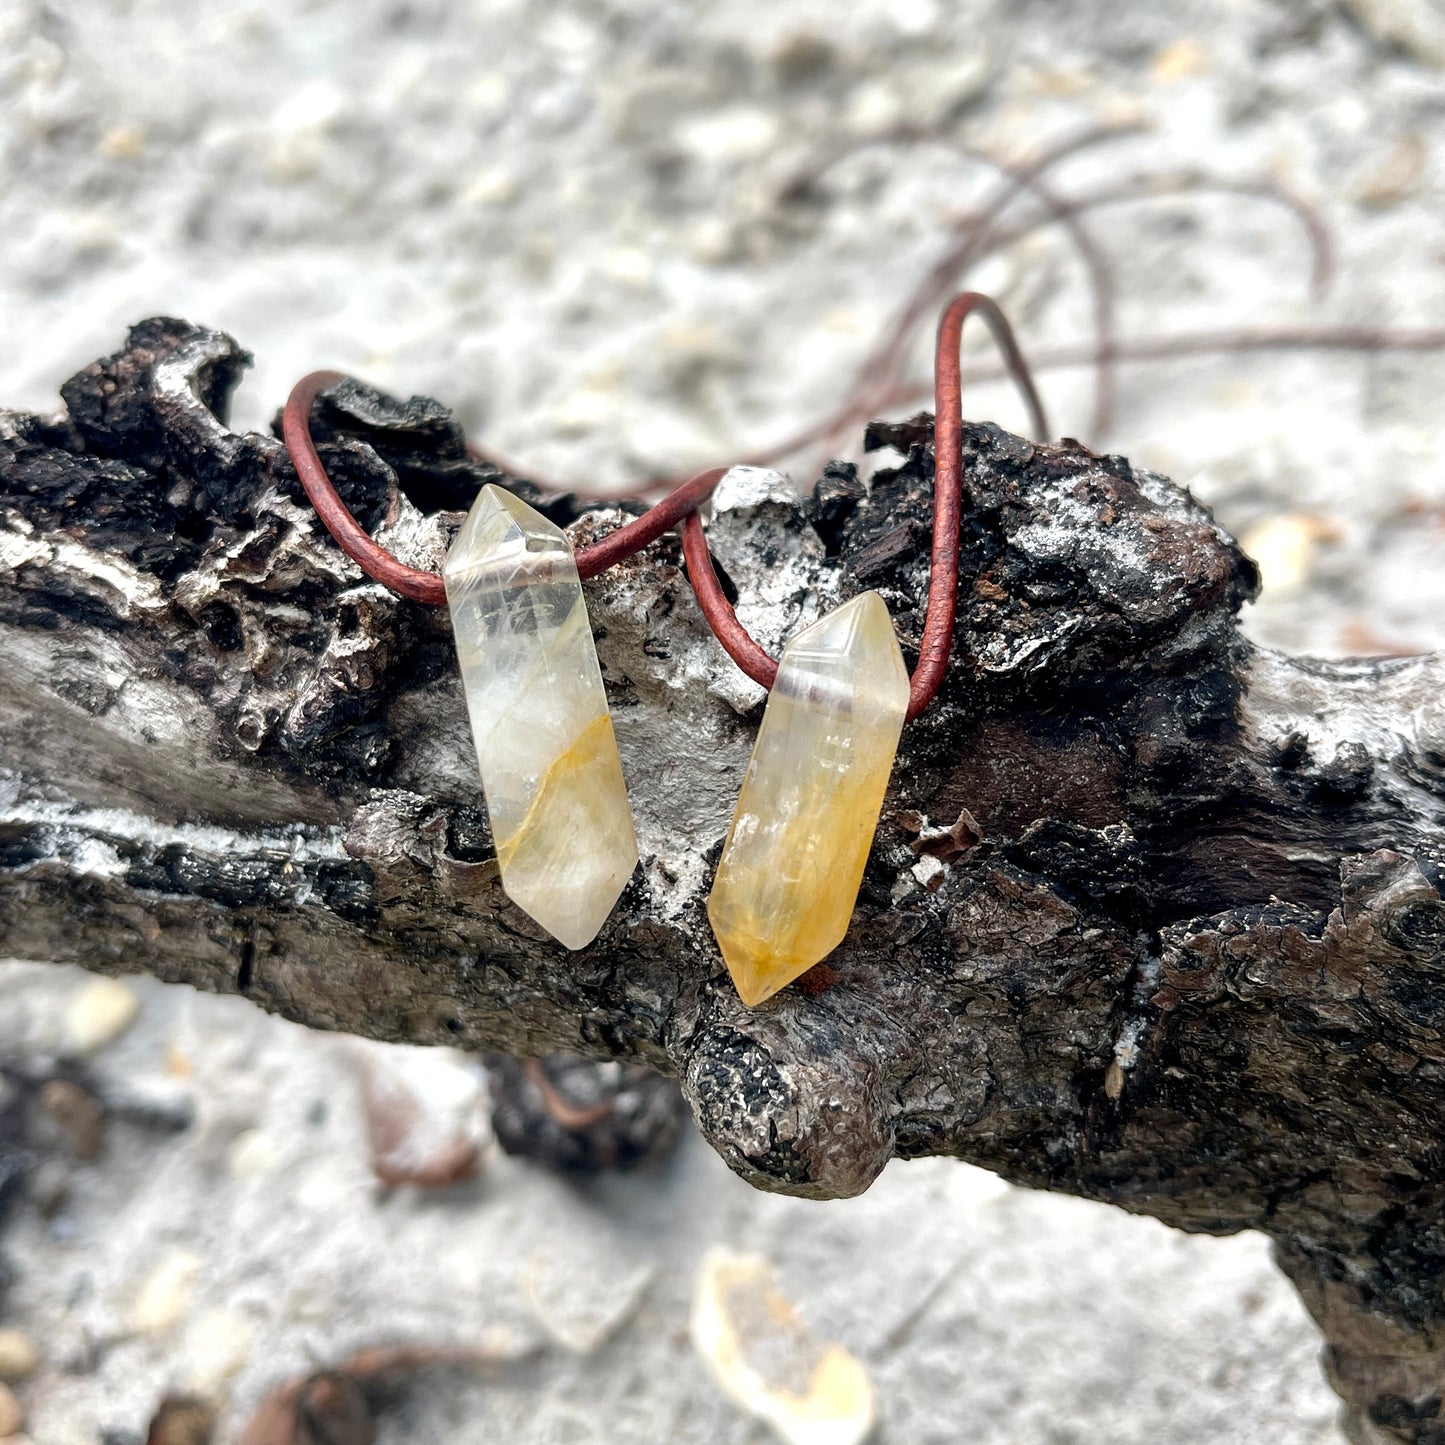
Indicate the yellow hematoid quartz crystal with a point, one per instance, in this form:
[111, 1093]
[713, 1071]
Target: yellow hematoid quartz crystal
[809, 806]
[550, 770]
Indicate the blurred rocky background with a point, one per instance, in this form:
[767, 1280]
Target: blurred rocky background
[582, 225]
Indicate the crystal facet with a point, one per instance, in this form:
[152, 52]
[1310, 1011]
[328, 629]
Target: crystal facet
[550, 770]
[809, 806]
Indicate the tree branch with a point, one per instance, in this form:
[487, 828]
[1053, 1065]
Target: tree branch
[1154, 916]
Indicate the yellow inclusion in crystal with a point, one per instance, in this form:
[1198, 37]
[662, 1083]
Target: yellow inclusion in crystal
[809, 805]
[577, 799]
[545, 746]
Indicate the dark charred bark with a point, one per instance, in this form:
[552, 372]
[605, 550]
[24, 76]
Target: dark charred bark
[1154, 916]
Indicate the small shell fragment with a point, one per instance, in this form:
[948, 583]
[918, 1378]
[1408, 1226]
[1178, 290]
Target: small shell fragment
[763, 1354]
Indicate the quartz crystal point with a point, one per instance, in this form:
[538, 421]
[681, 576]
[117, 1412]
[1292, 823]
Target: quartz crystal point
[809, 806]
[548, 757]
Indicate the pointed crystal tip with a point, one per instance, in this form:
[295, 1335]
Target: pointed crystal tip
[502, 533]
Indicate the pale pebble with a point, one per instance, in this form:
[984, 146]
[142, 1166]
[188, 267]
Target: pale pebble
[735, 134]
[936, 92]
[251, 1154]
[164, 1298]
[216, 1350]
[12, 1417]
[1284, 547]
[99, 1013]
[583, 1302]
[17, 1356]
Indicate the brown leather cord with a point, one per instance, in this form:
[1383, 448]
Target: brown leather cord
[736, 640]
[680, 508]
[937, 641]
[335, 515]
[427, 587]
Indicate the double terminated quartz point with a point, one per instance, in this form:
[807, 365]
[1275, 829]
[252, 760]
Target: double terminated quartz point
[809, 805]
[548, 758]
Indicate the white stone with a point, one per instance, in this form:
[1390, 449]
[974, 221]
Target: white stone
[548, 757]
[252, 1153]
[17, 1355]
[216, 1350]
[164, 1298]
[583, 1301]
[731, 135]
[99, 1013]
[12, 1417]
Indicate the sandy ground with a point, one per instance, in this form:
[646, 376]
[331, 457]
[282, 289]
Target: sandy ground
[563, 219]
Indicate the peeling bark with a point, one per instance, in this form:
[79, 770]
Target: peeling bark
[1154, 916]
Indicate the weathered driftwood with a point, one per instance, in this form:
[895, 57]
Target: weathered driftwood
[1154, 916]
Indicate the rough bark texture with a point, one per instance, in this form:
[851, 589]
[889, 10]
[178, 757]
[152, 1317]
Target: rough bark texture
[1153, 916]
